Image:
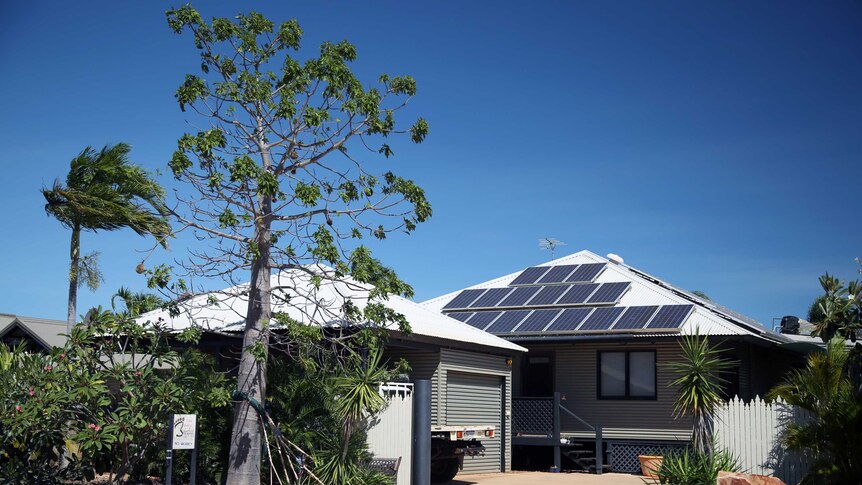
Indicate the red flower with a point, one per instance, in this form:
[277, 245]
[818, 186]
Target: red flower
[18, 408]
[91, 426]
[49, 368]
[62, 356]
[98, 428]
[137, 374]
[32, 392]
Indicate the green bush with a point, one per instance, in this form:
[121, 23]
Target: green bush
[693, 467]
[99, 404]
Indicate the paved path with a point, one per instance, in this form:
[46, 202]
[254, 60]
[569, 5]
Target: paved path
[528, 478]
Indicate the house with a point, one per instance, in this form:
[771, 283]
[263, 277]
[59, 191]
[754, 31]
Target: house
[598, 332]
[37, 334]
[470, 370]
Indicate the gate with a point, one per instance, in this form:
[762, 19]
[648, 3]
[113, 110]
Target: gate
[390, 435]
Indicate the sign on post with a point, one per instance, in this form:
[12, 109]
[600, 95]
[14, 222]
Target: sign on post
[184, 428]
[182, 435]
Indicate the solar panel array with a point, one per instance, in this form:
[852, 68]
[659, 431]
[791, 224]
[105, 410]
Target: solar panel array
[533, 296]
[582, 319]
[561, 299]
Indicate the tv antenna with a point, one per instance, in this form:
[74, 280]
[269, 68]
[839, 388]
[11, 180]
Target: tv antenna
[550, 244]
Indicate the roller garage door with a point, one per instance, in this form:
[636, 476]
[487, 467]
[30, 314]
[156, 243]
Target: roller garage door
[475, 399]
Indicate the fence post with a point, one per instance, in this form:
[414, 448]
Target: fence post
[600, 454]
[556, 432]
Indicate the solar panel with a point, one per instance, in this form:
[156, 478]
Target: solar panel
[464, 299]
[609, 293]
[557, 274]
[537, 320]
[491, 298]
[481, 319]
[547, 295]
[577, 294]
[519, 296]
[670, 316]
[507, 321]
[635, 317]
[530, 275]
[602, 318]
[569, 319]
[586, 273]
[462, 316]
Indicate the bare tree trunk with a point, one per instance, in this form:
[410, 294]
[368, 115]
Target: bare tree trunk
[246, 437]
[74, 256]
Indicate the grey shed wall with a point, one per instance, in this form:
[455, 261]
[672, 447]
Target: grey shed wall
[468, 388]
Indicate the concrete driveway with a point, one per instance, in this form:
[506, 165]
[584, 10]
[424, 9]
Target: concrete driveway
[529, 478]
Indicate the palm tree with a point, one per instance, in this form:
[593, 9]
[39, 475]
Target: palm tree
[833, 435]
[104, 191]
[699, 386]
[136, 303]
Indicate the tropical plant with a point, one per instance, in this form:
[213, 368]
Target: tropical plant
[325, 413]
[839, 309]
[136, 303]
[833, 436]
[694, 467]
[699, 386]
[104, 191]
[280, 183]
[105, 396]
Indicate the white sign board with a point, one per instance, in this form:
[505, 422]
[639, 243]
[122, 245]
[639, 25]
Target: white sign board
[184, 428]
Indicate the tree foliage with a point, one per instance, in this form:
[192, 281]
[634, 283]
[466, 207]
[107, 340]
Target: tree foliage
[104, 191]
[105, 397]
[834, 434]
[283, 179]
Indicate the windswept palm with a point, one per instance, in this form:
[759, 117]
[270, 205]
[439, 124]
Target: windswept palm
[104, 191]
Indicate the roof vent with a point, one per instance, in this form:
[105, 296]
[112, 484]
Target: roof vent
[616, 258]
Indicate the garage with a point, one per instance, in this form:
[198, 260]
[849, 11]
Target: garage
[477, 399]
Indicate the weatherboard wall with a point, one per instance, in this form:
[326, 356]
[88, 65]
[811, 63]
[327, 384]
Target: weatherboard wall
[575, 376]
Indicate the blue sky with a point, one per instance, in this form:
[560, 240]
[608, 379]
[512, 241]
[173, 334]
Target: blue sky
[713, 144]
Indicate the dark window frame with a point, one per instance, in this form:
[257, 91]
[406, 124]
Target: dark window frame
[627, 396]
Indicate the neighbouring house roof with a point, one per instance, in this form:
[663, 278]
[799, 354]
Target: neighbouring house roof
[323, 304]
[585, 294]
[44, 332]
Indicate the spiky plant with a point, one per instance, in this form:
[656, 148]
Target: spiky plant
[104, 191]
[699, 386]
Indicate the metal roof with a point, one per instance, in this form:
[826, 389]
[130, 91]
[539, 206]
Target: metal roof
[295, 294]
[49, 333]
[707, 317]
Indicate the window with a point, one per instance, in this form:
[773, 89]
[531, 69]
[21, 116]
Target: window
[627, 375]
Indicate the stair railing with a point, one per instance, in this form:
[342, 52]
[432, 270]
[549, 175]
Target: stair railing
[558, 406]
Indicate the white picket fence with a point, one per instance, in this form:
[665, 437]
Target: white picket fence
[391, 433]
[752, 432]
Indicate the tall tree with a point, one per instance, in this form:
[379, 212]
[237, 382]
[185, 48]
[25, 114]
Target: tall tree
[279, 184]
[104, 191]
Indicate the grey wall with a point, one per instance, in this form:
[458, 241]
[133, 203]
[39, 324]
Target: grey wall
[576, 378]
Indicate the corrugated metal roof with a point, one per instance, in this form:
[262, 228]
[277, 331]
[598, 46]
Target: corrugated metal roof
[322, 305]
[708, 318]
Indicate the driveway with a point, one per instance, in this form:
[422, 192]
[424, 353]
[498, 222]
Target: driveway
[529, 478]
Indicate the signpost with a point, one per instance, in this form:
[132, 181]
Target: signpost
[182, 435]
